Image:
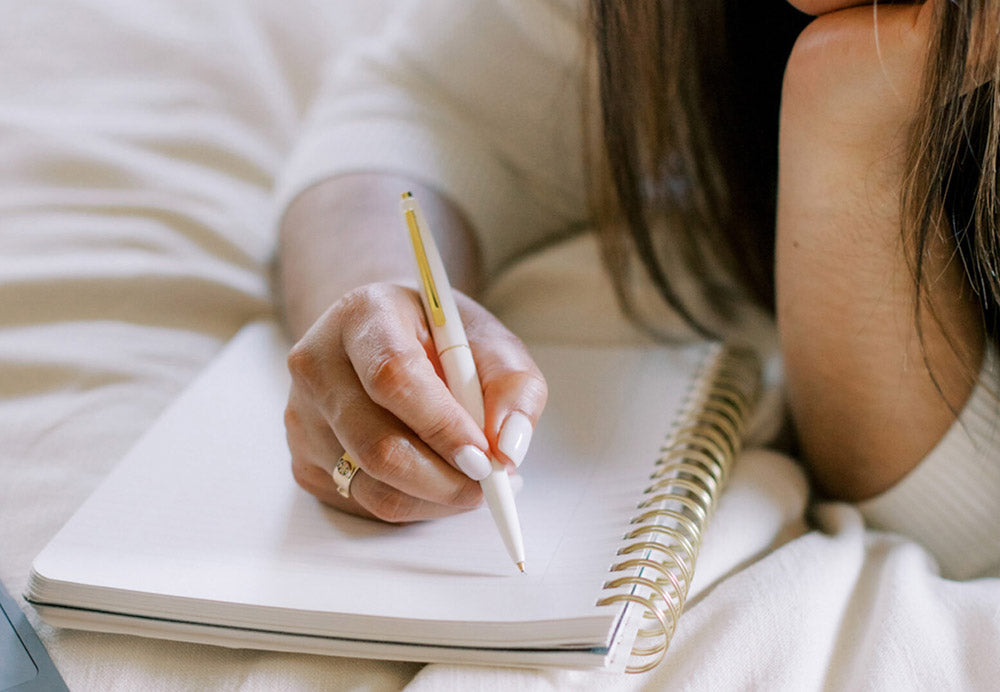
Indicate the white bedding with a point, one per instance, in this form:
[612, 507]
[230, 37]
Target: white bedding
[138, 144]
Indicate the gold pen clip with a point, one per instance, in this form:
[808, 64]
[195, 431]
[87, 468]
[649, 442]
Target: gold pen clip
[430, 289]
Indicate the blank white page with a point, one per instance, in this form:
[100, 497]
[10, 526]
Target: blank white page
[202, 521]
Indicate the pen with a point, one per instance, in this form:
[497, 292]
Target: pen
[459, 368]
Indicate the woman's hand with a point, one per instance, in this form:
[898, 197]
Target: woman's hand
[365, 374]
[871, 390]
[366, 379]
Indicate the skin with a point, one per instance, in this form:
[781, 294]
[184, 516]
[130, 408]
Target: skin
[364, 370]
[862, 397]
[865, 407]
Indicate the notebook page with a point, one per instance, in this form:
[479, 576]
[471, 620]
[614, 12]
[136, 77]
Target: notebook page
[203, 522]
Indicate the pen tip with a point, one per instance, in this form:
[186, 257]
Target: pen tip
[520, 566]
[407, 194]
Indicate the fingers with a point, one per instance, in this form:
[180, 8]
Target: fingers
[392, 452]
[514, 389]
[316, 451]
[398, 374]
[366, 378]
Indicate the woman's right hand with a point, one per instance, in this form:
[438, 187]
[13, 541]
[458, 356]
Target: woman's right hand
[366, 379]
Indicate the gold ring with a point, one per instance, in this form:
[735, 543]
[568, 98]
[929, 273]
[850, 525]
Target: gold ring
[343, 474]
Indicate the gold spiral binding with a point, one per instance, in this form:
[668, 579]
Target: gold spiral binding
[690, 438]
[728, 410]
[661, 618]
[645, 563]
[690, 460]
[701, 494]
[693, 532]
[689, 507]
[696, 473]
[688, 477]
[681, 540]
[705, 435]
[653, 586]
[675, 560]
[713, 416]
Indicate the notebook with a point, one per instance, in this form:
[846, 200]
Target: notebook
[200, 533]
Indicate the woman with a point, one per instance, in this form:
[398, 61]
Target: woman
[881, 270]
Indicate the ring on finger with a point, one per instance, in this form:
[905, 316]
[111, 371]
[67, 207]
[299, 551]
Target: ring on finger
[343, 474]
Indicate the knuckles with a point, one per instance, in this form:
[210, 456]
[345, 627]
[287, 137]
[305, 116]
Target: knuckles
[389, 504]
[394, 507]
[304, 364]
[390, 374]
[353, 315]
[293, 421]
[535, 386]
[309, 477]
[392, 458]
[359, 304]
[354, 329]
[373, 304]
[529, 382]
[468, 494]
[388, 458]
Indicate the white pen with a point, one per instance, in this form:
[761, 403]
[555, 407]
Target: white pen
[459, 367]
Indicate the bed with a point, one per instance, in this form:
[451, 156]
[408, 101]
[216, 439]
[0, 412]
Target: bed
[138, 149]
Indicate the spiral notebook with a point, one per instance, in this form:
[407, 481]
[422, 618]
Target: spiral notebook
[200, 534]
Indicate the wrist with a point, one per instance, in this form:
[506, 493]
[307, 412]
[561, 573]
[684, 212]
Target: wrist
[347, 232]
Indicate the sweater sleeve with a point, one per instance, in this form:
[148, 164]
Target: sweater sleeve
[950, 503]
[479, 100]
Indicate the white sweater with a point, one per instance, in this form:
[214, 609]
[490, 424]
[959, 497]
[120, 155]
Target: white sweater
[482, 101]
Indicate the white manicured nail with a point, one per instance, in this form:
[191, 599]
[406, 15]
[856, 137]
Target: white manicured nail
[515, 436]
[473, 463]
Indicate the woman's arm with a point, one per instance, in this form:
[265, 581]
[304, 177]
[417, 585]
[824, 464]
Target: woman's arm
[357, 216]
[871, 389]
[480, 102]
[365, 372]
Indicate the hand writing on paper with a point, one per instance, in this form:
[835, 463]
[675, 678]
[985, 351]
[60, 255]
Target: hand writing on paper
[365, 379]
[365, 373]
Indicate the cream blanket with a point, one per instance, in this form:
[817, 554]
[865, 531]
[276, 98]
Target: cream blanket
[138, 144]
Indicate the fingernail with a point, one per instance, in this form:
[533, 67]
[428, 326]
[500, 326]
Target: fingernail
[473, 463]
[515, 436]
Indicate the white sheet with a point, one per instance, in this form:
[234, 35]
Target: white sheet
[138, 142]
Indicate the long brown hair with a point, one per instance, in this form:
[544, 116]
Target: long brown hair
[689, 93]
[688, 133]
[954, 151]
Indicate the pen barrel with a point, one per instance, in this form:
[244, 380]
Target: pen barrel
[463, 381]
[435, 290]
[458, 365]
[500, 500]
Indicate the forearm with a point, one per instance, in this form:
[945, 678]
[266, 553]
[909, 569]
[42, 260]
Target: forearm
[870, 394]
[871, 388]
[346, 232]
